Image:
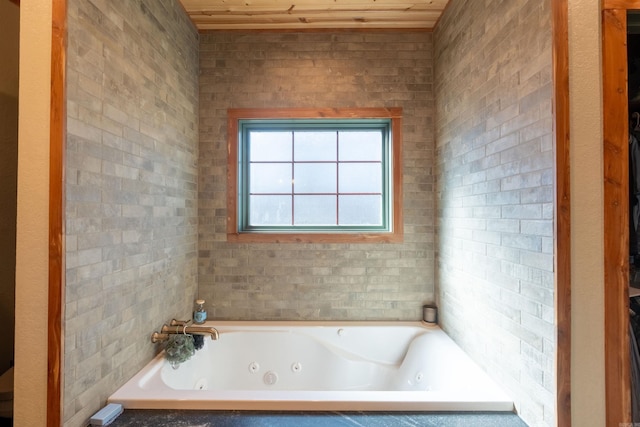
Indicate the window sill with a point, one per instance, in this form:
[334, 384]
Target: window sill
[314, 238]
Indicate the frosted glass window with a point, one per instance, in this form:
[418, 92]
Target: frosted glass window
[272, 178]
[360, 210]
[315, 210]
[315, 175]
[315, 146]
[355, 145]
[315, 178]
[270, 146]
[360, 178]
[270, 210]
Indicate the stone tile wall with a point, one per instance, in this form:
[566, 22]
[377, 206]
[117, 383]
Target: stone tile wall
[323, 69]
[131, 189]
[495, 192]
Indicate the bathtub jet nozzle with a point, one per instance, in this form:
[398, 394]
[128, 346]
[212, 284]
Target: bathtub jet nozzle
[167, 330]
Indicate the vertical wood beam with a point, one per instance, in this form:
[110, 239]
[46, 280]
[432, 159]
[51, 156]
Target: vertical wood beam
[562, 232]
[616, 217]
[55, 349]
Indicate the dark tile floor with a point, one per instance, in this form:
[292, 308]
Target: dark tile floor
[172, 418]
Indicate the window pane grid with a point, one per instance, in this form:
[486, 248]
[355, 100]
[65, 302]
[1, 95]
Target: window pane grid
[375, 193]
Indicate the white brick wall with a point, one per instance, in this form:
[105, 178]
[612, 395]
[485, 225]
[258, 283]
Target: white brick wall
[495, 193]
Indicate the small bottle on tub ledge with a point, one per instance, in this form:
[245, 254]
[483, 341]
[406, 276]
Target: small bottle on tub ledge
[200, 314]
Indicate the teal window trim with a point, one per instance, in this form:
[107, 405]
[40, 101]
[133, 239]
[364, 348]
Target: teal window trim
[246, 126]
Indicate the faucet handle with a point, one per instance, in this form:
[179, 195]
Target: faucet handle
[157, 337]
[175, 322]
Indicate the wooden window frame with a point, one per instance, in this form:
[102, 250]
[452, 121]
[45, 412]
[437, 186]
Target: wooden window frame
[395, 235]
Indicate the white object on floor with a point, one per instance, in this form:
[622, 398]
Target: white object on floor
[106, 415]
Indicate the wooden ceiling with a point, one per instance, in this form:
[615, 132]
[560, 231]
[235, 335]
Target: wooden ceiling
[313, 14]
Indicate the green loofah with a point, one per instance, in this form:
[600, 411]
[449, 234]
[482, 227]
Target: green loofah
[179, 348]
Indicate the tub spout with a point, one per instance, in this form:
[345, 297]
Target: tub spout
[191, 330]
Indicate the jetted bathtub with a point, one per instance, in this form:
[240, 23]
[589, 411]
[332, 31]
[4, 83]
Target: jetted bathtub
[360, 366]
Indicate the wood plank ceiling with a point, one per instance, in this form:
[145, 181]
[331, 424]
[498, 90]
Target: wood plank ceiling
[313, 14]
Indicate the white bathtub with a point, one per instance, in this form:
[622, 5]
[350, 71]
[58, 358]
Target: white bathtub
[360, 366]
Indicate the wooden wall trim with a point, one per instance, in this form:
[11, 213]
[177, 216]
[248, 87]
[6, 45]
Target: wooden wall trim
[55, 349]
[616, 216]
[620, 4]
[316, 30]
[235, 114]
[560, 31]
